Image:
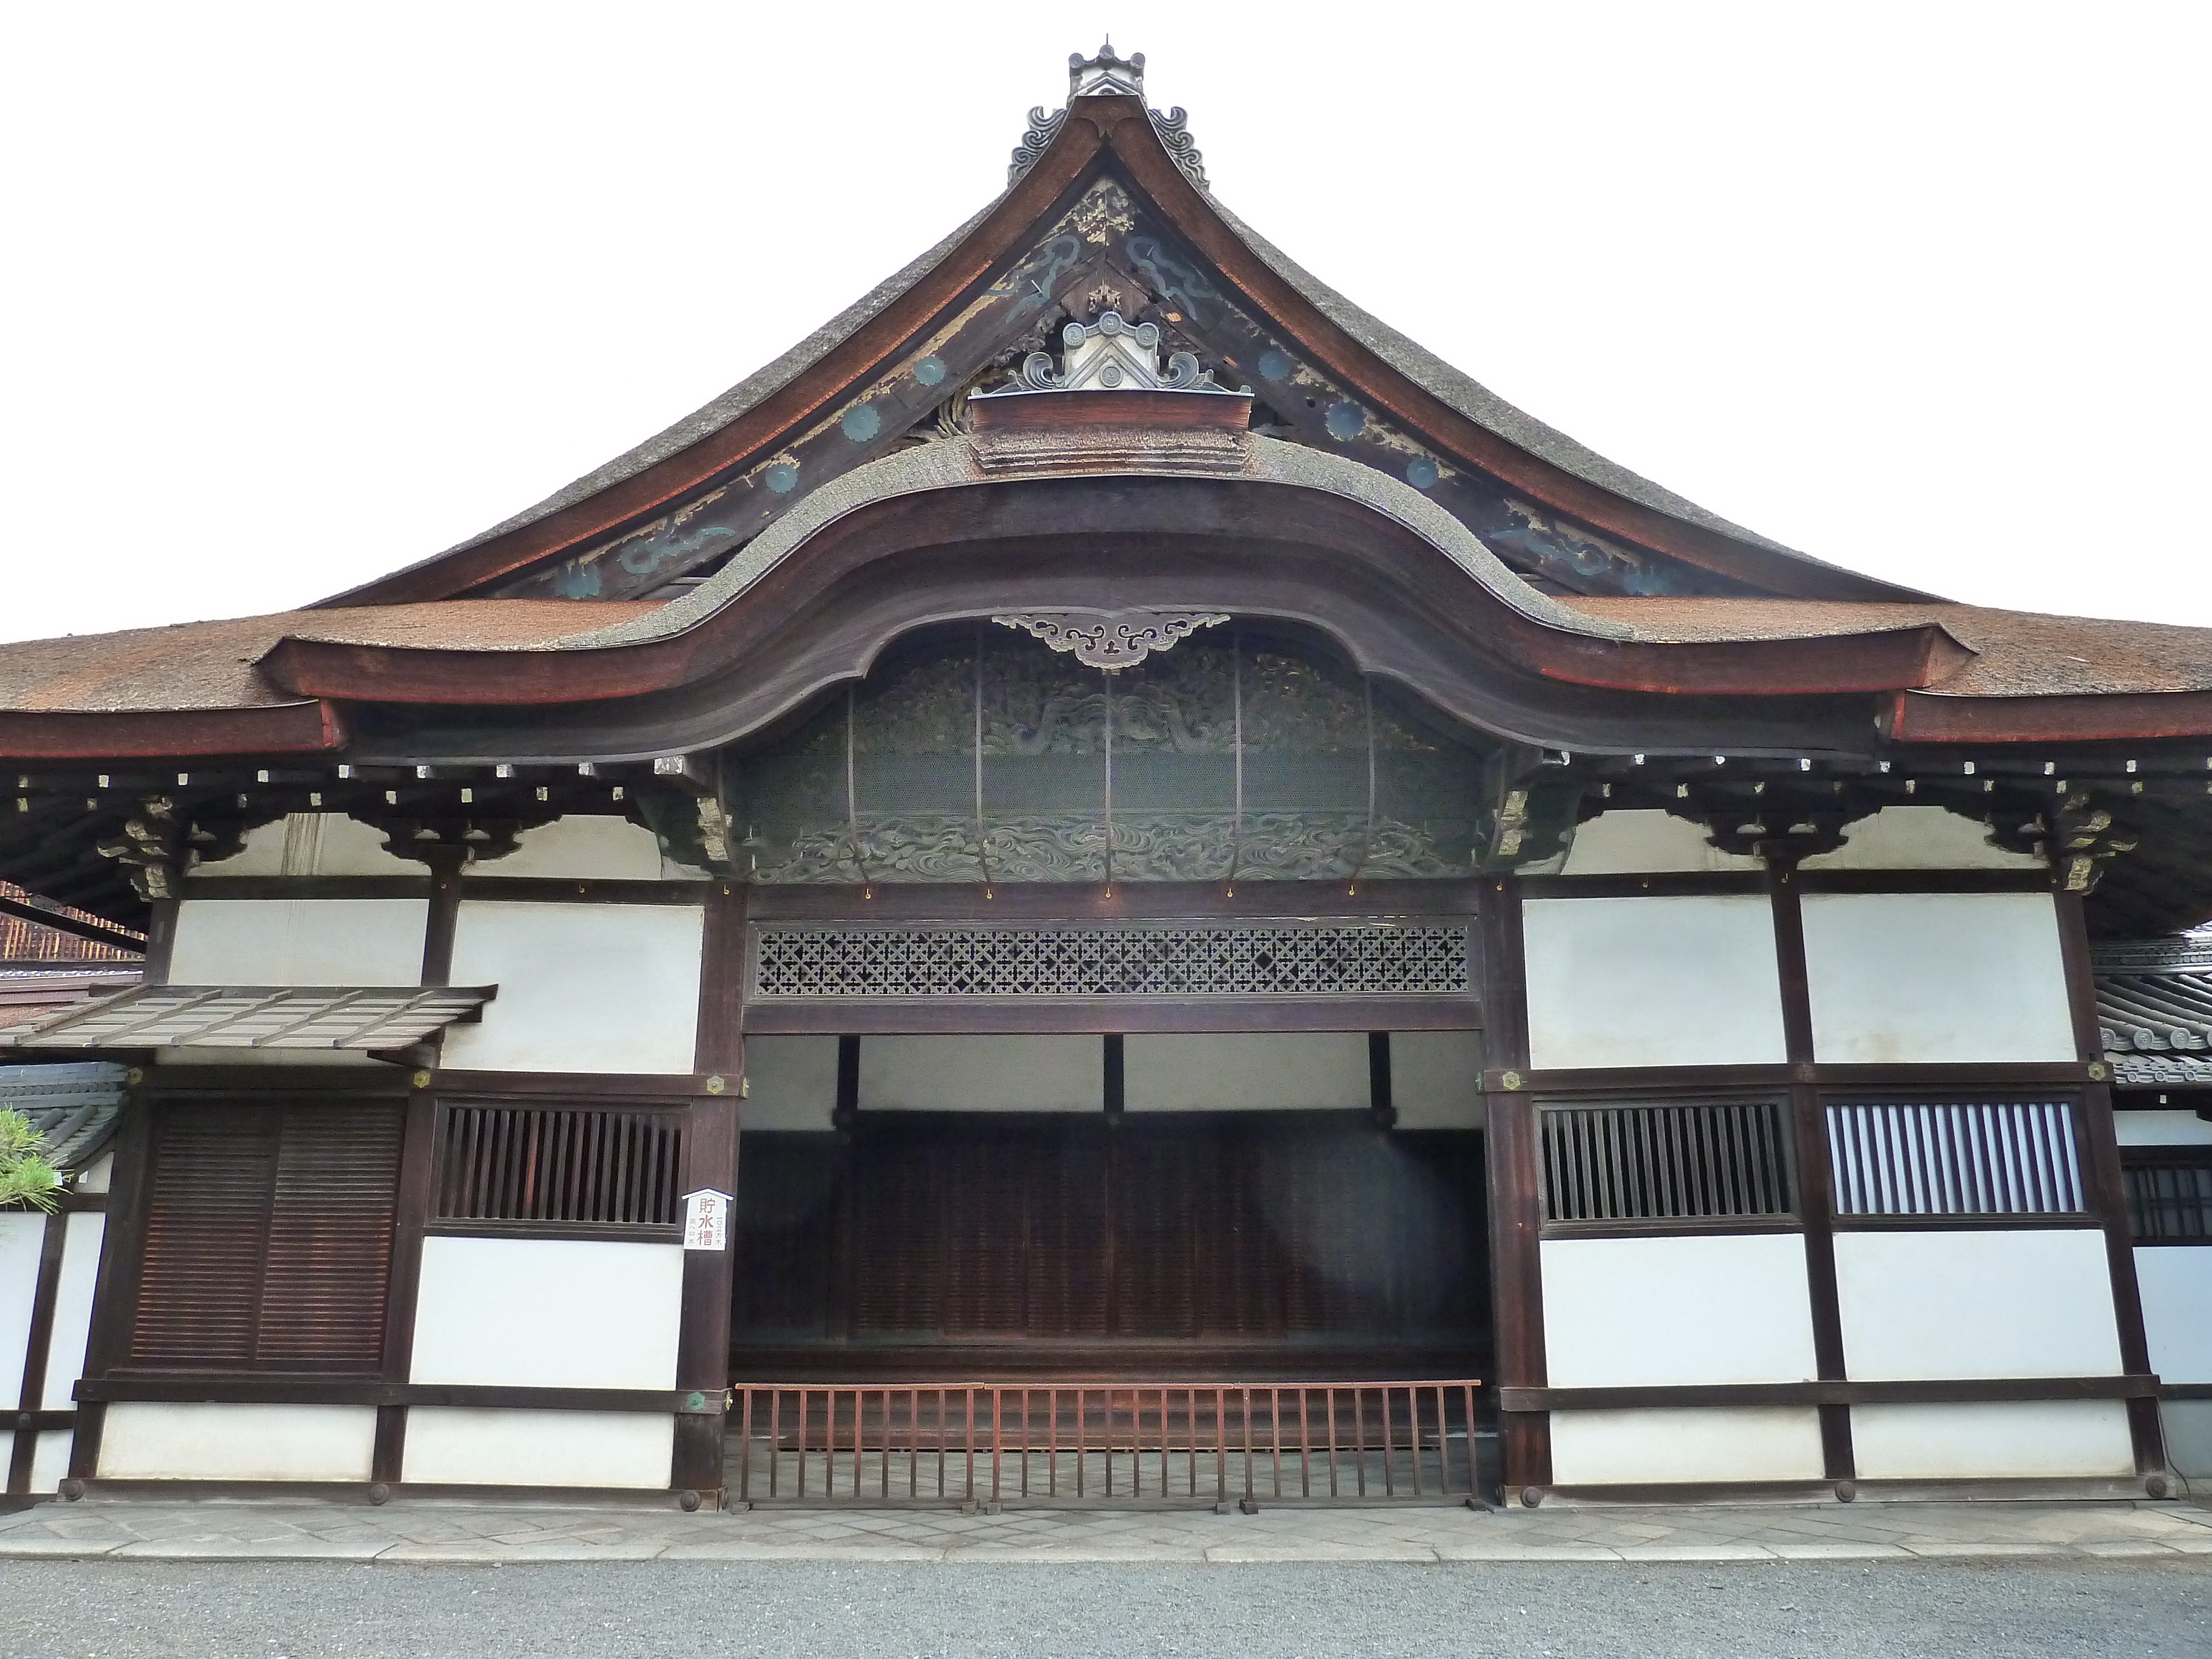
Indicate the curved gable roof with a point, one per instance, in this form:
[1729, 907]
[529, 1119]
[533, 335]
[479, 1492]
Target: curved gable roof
[728, 442]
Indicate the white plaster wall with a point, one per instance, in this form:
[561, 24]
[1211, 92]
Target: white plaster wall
[1921, 1305]
[582, 846]
[582, 987]
[1646, 842]
[73, 1308]
[1936, 978]
[1919, 838]
[49, 1459]
[95, 1174]
[1237, 1071]
[1435, 1079]
[474, 1446]
[981, 1074]
[550, 1313]
[22, 1238]
[311, 844]
[2161, 1129]
[1653, 982]
[791, 1083]
[2175, 1282]
[145, 1441]
[298, 942]
[2045, 1439]
[1650, 1447]
[1719, 1308]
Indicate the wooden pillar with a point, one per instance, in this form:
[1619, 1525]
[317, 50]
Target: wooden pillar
[418, 1148]
[1516, 1214]
[2106, 1191]
[38, 1346]
[710, 1161]
[1816, 1202]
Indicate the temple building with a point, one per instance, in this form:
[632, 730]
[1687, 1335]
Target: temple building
[1108, 884]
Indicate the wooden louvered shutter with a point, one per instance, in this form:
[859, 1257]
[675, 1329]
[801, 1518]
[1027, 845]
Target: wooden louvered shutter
[207, 1230]
[268, 1238]
[329, 1239]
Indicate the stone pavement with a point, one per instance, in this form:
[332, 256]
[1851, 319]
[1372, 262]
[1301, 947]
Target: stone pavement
[428, 1530]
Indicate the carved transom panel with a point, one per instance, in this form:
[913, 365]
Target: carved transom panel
[1112, 639]
[1175, 959]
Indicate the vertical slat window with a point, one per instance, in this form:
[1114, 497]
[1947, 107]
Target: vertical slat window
[2169, 1194]
[268, 1238]
[1691, 1161]
[1950, 1157]
[573, 1166]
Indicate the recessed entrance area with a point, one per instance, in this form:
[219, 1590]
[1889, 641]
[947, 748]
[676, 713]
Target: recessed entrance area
[1087, 1237]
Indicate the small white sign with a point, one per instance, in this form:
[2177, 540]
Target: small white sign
[707, 1220]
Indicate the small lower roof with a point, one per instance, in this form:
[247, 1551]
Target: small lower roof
[72, 1106]
[255, 1016]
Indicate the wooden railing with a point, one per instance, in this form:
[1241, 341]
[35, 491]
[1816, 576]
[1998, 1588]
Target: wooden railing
[1105, 1445]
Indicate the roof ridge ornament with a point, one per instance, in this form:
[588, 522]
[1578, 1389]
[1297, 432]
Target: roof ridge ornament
[1109, 75]
[1111, 356]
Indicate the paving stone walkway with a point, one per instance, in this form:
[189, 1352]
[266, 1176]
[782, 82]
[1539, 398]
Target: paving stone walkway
[420, 1530]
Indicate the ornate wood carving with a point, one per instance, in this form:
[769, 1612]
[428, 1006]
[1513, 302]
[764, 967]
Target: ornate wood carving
[1111, 639]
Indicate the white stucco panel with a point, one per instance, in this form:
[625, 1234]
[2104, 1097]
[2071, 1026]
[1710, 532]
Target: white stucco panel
[1244, 1071]
[73, 1308]
[1643, 840]
[472, 1446]
[550, 1313]
[2160, 1129]
[1435, 1079]
[1923, 1305]
[1653, 982]
[2175, 1282]
[49, 1459]
[1919, 838]
[2046, 1439]
[582, 987]
[791, 1083]
[298, 942]
[582, 846]
[22, 1238]
[982, 1074]
[1936, 978]
[1641, 1312]
[1657, 1447]
[145, 1441]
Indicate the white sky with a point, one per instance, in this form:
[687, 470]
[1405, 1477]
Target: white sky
[297, 294]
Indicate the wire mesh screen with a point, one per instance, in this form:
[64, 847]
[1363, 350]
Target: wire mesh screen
[1131, 960]
[2009, 1157]
[588, 1165]
[1665, 1162]
[2169, 1194]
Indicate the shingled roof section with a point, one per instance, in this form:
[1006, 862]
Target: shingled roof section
[1001, 229]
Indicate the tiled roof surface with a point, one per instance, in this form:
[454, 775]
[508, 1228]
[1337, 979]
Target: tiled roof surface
[73, 1106]
[2154, 1007]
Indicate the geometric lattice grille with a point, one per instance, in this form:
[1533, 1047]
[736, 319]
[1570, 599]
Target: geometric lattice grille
[1128, 960]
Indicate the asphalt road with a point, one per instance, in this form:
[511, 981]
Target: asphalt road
[802, 1609]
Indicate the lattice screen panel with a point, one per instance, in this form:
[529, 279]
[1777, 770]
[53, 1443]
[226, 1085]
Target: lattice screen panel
[1322, 959]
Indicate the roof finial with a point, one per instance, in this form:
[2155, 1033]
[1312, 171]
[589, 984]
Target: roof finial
[1106, 76]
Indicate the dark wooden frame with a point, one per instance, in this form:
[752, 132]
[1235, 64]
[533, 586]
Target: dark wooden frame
[1510, 1147]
